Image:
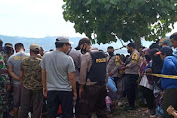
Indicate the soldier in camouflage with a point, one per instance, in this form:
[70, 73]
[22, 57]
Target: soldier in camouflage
[31, 79]
[4, 81]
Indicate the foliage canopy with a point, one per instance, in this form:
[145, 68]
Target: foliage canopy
[129, 19]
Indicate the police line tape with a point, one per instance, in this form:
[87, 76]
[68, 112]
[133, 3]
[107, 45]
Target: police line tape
[163, 76]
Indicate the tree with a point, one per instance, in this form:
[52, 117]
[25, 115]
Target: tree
[131, 20]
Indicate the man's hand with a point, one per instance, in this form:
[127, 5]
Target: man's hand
[171, 110]
[8, 88]
[148, 70]
[75, 96]
[45, 92]
[110, 74]
[123, 67]
[81, 91]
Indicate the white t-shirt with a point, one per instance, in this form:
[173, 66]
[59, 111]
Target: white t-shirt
[144, 83]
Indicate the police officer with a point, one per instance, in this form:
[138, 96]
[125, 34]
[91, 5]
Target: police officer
[92, 81]
[131, 75]
[76, 56]
[113, 64]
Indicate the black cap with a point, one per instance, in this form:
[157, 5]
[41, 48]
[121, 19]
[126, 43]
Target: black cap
[167, 50]
[131, 45]
[82, 41]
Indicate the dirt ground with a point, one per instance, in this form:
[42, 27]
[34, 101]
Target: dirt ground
[121, 113]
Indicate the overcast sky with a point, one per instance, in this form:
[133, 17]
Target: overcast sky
[35, 18]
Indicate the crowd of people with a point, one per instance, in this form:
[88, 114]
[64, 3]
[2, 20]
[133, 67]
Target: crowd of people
[71, 84]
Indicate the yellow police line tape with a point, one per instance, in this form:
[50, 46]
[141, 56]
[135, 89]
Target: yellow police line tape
[163, 76]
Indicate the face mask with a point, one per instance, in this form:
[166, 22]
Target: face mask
[129, 51]
[111, 54]
[83, 50]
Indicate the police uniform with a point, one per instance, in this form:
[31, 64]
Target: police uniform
[92, 76]
[113, 65]
[131, 76]
[76, 56]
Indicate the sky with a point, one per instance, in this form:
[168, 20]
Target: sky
[36, 18]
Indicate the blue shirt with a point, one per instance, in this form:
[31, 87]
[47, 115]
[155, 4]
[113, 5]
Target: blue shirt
[169, 68]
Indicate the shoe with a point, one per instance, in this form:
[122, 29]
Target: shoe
[120, 104]
[152, 114]
[129, 108]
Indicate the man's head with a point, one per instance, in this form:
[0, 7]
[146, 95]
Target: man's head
[9, 49]
[1, 43]
[164, 52]
[41, 51]
[63, 44]
[110, 51]
[141, 51]
[154, 45]
[84, 45]
[34, 49]
[173, 39]
[166, 42]
[130, 47]
[19, 47]
[147, 54]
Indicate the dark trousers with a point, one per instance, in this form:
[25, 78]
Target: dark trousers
[169, 98]
[149, 96]
[116, 80]
[131, 88]
[93, 100]
[30, 98]
[65, 98]
[77, 101]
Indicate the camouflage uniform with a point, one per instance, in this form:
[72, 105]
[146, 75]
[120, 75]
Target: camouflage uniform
[32, 73]
[32, 87]
[4, 80]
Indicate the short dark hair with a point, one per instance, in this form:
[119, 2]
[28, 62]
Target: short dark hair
[110, 47]
[1, 42]
[35, 52]
[19, 46]
[174, 36]
[131, 45]
[60, 45]
[153, 46]
[142, 47]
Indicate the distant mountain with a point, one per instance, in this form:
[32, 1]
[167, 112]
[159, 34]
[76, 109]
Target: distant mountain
[49, 43]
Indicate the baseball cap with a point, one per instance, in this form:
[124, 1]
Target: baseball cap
[8, 45]
[34, 47]
[167, 50]
[62, 39]
[82, 41]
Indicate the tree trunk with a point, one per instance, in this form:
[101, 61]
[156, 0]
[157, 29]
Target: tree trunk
[138, 44]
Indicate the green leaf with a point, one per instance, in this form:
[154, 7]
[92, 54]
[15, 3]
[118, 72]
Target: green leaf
[114, 2]
[89, 2]
[130, 5]
[130, 19]
[107, 6]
